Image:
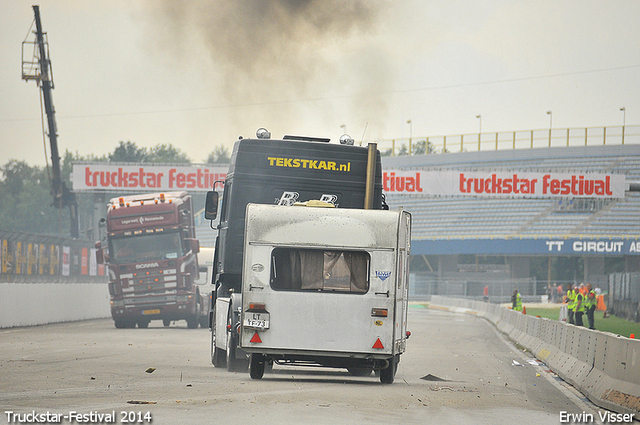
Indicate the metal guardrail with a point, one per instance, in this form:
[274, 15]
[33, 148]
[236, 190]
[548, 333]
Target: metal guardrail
[524, 139]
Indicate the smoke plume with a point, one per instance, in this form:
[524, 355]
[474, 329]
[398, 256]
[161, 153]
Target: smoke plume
[282, 60]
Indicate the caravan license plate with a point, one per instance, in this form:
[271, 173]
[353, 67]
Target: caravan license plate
[256, 320]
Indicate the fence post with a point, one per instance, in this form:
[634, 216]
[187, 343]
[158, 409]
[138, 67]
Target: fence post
[604, 140]
[586, 132]
[531, 139]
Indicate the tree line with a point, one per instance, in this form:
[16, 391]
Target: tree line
[26, 204]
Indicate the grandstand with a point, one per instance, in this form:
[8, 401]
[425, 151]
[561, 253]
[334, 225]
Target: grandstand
[519, 231]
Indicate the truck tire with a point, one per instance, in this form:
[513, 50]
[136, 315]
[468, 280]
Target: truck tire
[387, 375]
[193, 322]
[204, 322]
[143, 324]
[234, 364]
[218, 357]
[166, 323]
[124, 324]
[256, 366]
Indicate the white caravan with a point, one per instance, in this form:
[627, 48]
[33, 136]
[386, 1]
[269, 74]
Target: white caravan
[325, 287]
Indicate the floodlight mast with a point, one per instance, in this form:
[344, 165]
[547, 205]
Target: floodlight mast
[62, 196]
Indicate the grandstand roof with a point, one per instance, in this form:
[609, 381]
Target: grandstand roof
[438, 218]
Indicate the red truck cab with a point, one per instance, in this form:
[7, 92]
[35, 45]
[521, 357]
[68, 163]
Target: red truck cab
[152, 259]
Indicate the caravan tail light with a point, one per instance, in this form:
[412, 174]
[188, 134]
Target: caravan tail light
[257, 307]
[379, 312]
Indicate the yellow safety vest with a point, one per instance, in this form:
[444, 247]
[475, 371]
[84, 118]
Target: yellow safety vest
[590, 301]
[582, 306]
[571, 299]
[518, 306]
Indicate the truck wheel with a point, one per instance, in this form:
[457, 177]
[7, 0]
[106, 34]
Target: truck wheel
[192, 323]
[143, 324]
[232, 362]
[256, 366]
[218, 357]
[387, 375]
[166, 323]
[120, 324]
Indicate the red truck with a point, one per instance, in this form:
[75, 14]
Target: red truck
[152, 258]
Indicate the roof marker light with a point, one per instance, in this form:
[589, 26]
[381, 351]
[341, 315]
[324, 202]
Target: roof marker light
[345, 139]
[121, 202]
[263, 133]
[162, 197]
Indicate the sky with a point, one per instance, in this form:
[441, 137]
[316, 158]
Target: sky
[199, 74]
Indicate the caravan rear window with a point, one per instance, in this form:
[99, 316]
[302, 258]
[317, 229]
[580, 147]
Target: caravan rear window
[294, 269]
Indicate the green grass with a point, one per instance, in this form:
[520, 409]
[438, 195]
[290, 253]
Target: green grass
[611, 324]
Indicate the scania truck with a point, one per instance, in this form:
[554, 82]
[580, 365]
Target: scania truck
[152, 259]
[278, 172]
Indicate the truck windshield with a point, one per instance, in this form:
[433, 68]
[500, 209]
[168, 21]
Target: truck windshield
[319, 270]
[133, 249]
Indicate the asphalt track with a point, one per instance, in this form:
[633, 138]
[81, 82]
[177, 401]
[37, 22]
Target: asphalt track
[457, 370]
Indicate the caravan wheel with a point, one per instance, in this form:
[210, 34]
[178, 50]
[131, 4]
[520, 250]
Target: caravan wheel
[256, 366]
[387, 375]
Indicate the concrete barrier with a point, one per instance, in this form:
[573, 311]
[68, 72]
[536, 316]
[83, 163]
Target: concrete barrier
[28, 304]
[603, 366]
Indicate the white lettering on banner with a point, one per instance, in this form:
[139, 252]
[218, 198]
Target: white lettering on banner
[557, 244]
[634, 247]
[504, 184]
[90, 177]
[597, 246]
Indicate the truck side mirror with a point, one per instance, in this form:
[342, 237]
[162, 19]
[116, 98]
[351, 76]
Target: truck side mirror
[211, 206]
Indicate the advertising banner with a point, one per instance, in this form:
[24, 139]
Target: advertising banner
[66, 260]
[84, 261]
[93, 263]
[145, 177]
[512, 184]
